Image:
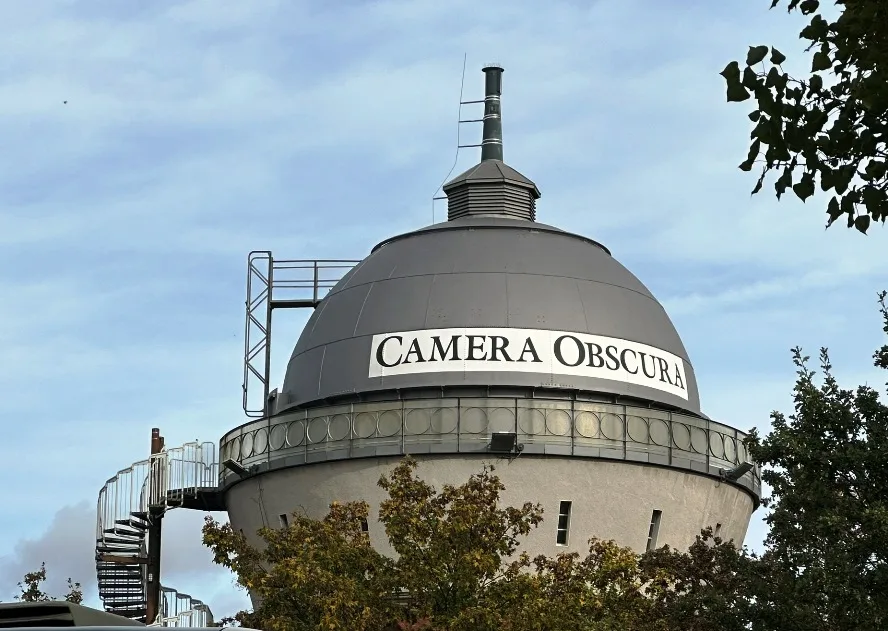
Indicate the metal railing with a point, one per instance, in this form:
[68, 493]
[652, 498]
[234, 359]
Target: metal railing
[182, 610]
[178, 471]
[457, 425]
[278, 284]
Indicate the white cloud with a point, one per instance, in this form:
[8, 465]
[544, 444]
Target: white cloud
[66, 547]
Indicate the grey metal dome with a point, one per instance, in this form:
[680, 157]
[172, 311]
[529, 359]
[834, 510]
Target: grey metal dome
[490, 299]
[489, 273]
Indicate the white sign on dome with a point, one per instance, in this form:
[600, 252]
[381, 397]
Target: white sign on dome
[527, 351]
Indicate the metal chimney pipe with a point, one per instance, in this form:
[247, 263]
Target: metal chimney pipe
[492, 139]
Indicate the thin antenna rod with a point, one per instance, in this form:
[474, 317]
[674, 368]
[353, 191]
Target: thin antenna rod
[462, 84]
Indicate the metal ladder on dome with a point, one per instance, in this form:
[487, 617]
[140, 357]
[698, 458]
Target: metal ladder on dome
[128, 503]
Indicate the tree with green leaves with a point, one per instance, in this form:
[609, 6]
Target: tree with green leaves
[827, 466]
[458, 566]
[31, 588]
[828, 127]
[713, 586]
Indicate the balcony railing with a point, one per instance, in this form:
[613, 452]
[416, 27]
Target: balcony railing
[464, 425]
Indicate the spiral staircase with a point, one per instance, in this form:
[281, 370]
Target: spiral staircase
[181, 477]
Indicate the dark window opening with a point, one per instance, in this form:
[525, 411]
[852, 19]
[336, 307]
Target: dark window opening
[563, 524]
[365, 527]
[718, 528]
[285, 522]
[654, 529]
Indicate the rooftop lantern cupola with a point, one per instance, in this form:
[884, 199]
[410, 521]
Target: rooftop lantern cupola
[492, 188]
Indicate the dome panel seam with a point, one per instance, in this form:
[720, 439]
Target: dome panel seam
[576, 278]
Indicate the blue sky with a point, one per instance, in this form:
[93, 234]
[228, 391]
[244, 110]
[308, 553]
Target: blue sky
[196, 131]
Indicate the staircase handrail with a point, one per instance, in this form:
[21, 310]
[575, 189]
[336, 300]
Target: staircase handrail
[192, 612]
[187, 468]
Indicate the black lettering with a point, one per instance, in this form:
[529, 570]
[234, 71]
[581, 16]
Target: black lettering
[678, 380]
[498, 344]
[380, 358]
[475, 345]
[623, 354]
[644, 366]
[595, 358]
[442, 351]
[414, 350]
[664, 370]
[581, 351]
[529, 348]
[613, 362]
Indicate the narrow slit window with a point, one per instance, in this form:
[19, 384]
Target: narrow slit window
[654, 529]
[563, 524]
[718, 528]
[285, 521]
[365, 527]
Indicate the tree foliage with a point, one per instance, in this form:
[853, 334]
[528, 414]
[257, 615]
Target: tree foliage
[458, 566]
[828, 469]
[31, 588]
[830, 126]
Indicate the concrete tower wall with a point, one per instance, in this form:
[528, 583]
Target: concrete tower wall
[611, 500]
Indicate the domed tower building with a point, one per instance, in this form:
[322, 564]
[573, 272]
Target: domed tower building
[491, 337]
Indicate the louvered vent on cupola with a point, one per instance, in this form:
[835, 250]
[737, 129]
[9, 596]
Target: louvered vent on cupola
[491, 188]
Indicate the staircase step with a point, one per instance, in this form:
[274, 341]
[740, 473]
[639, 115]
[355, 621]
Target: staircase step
[123, 579]
[118, 548]
[119, 544]
[125, 600]
[123, 589]
[124, 531]
[122, 540]
[133, 522]
[123, 582]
